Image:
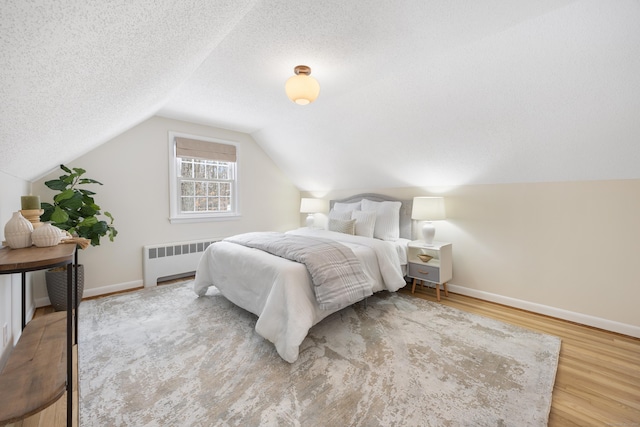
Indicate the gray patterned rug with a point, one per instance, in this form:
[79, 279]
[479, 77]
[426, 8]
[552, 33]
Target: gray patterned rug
[163, 357]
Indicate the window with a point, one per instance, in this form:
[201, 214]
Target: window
[203, 178]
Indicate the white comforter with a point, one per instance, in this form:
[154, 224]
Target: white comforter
[280, 291]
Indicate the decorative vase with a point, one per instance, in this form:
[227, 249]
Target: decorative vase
[17, 231]
[57, 286]
[46, 235]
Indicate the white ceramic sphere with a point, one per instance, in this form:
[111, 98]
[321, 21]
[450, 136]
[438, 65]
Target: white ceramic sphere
[46, 235]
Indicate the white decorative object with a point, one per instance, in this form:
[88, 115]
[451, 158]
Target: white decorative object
[46, 235]
[428, 209]
[311, 207]
[17, 231]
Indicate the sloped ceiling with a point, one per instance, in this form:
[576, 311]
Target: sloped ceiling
[413, 93]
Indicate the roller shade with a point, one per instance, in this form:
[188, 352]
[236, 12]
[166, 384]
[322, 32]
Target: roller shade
[192, 148]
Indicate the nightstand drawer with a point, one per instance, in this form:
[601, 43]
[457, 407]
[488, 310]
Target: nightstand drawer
[424, 272]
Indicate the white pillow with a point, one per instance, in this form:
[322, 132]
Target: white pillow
[346, 206]
[387, 218]
[343, 215]
[365, 222]
[341, 226]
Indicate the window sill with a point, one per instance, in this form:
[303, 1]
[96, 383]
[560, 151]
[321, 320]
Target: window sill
[185, 219]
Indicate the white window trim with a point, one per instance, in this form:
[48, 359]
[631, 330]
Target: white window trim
[175, 217]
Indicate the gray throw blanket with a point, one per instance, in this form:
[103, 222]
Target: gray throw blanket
[338, 278]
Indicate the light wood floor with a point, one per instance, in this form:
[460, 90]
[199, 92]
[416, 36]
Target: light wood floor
[597, 383]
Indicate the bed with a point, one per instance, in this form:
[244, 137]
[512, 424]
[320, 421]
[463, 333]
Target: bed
[282, 292]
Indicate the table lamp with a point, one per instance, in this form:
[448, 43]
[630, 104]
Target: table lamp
[428, 209]
[312, 206]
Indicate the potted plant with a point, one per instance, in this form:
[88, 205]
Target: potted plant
[75, 211]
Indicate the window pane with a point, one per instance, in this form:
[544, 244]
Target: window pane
[213, 189]
[223, 171]
[211, 173]
[213, 204]
[201, 204]
[187, 188]
[225, 204]
[225, 189]
[186, 168]
[186, 204]
[201, 188]
[200, 170]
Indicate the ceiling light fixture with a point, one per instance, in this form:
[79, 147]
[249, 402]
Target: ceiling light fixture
[302, 88]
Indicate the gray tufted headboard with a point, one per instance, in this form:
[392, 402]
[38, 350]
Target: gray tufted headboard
[405, 209]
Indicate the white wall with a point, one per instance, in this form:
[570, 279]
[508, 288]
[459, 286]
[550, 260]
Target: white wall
[134, 170]
[565, 249]
[10, 298]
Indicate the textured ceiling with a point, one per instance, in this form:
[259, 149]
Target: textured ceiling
[76, 73]
[413, 93]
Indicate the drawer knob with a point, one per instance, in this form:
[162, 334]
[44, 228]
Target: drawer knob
[423, 272]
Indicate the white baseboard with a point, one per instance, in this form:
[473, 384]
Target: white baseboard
[4, 357]
[118, 287]
[42, 302]
[584, 319]
[103, 290]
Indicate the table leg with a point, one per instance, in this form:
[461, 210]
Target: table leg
[24, 299]
[75, 292]
[69, 346]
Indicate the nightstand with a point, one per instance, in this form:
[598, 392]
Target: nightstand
[437, 269]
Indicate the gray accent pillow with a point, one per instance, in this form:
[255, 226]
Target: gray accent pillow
[343, 226]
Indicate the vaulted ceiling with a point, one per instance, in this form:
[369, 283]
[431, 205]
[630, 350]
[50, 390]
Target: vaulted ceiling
[413, 93]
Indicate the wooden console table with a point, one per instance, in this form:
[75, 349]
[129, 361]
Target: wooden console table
[33, 377]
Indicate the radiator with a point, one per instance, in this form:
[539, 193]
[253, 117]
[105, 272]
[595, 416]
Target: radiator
[171, 260]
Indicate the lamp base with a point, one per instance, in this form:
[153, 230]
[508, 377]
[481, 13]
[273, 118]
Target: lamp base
[428, 233]
[311, 220]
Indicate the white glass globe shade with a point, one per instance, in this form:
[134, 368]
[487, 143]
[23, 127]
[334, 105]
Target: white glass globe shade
[302, 89]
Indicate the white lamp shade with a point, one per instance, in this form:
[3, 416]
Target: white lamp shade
[428, 209]
[309, 205]
[302, 89]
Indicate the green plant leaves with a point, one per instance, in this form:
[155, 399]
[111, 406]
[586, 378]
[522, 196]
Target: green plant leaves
[88, 222]
[59, 216]
[64, 195]
[56, 184]
[74, 208]
[89, 210]
[89, 181]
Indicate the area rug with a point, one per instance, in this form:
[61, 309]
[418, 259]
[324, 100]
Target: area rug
[164, 357]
